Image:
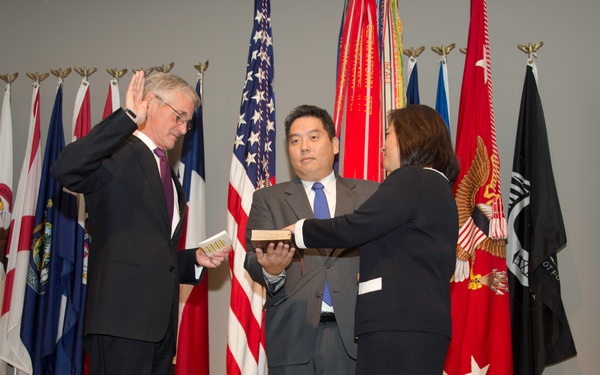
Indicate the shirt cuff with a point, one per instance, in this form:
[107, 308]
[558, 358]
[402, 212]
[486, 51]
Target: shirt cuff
[298, 237]
[198, 271]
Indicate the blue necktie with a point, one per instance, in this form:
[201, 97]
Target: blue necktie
[165, 176]
[321, 211]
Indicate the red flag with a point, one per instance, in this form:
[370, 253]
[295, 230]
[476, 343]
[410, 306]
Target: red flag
[12, 349]
[481, 336]
[252, 167]
[112, 99]
[369, 83]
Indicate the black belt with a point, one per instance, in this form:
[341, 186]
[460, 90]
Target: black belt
[327, 317]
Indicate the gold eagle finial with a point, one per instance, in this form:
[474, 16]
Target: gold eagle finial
[37, 77]
[201, 67]
[443, 50]
[414, 52]
[530, 48]
[116, 73]
[463, 50]
[61, 74]
[85, 72]
[9, 78]
[164, 68]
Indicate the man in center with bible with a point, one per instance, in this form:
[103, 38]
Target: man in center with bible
[311, 294]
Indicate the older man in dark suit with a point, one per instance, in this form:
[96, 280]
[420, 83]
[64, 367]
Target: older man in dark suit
[310, 295]
[136, 207]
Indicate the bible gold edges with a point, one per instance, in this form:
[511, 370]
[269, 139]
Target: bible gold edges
[262, 238]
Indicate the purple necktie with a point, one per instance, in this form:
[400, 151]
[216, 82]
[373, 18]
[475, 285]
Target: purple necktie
[321, 211]
[165, 176]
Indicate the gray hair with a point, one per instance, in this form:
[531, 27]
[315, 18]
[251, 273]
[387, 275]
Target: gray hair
[163, 84]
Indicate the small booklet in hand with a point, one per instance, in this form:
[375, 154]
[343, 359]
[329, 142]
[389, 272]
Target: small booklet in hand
[215, 243]
[262, 238]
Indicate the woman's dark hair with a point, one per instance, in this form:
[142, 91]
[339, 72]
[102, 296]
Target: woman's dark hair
[423, 139]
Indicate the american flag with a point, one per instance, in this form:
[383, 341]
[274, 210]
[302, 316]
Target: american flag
[252, 167]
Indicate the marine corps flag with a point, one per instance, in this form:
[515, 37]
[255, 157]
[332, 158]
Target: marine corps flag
[541, 333]
[481, 340]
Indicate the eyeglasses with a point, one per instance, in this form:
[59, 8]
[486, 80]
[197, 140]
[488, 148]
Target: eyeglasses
[181, 117]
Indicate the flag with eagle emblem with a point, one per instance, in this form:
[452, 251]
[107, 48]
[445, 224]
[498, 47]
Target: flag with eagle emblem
[481, 339]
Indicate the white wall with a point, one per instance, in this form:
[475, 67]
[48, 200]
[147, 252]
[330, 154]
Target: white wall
[42, 35]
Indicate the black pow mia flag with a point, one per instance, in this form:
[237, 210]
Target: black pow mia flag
[540, 331]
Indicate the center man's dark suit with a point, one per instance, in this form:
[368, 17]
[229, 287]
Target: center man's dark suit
[134, 266]
[293, 312]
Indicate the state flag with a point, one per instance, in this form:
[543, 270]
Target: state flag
[12, 349]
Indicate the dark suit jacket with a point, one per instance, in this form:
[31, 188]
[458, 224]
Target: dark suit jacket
[293, 311]
[408, 230]
[134, 266]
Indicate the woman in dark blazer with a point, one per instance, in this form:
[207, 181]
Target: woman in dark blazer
[407, 231]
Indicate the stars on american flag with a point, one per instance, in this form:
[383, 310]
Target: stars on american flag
[254, 145]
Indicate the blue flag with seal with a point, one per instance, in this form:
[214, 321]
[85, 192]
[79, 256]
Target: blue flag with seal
[43, 295]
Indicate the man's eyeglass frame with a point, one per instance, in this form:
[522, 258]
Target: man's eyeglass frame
[181, 117]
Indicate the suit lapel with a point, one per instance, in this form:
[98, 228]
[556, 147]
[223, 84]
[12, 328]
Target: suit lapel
[182, 202]
[346, 197]
[297, 199]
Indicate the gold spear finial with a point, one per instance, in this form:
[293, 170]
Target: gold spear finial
[9, 78]
[414, 53]
[443, 50]
[62, 74]
[116, 73]
[164, 68]
[146, 71]
[201, 67]
[85, 72]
